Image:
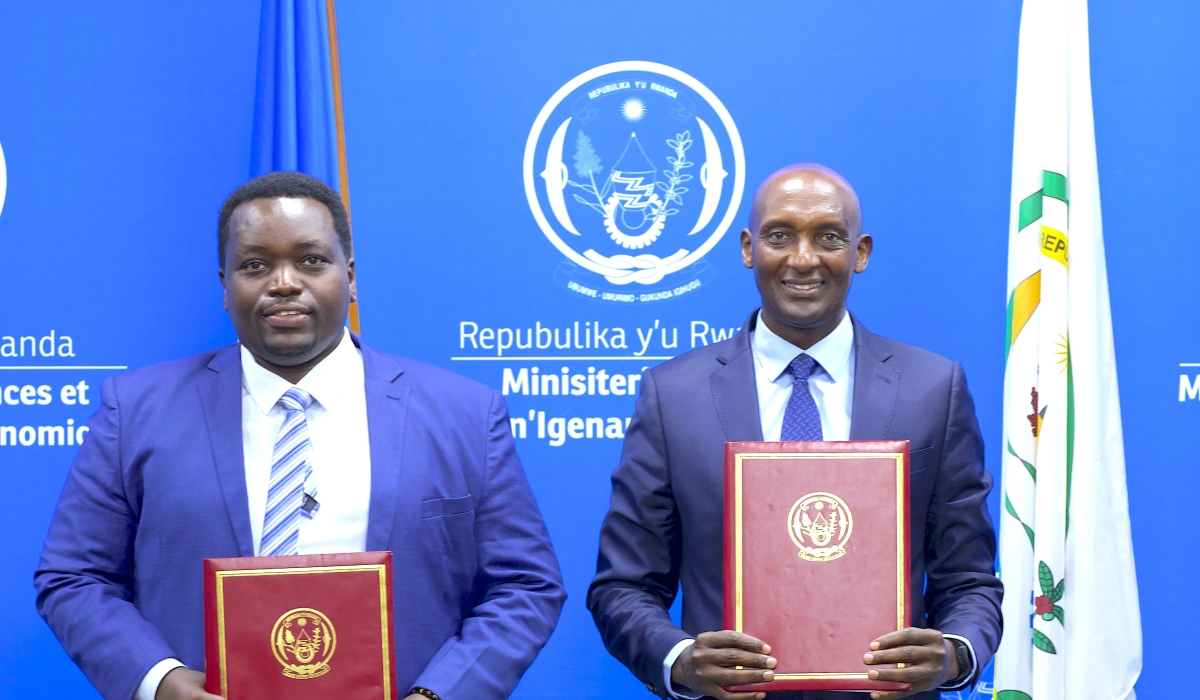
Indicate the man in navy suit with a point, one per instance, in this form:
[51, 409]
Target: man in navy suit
[299, 439]
[802, 368]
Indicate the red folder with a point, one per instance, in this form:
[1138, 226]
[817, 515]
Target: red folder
[816, 556]
[300, 627]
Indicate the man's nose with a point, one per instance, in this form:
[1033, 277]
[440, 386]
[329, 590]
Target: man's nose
[803, 255]
[285, 282]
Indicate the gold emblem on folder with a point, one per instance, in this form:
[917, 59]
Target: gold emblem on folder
[303, 640]
[820, 524]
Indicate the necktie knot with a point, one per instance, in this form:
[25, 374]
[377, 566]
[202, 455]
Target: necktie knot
[802, 367]
[296, 399]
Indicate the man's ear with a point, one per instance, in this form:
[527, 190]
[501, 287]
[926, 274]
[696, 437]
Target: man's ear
[353, 280]
[863, 253]
[747, 248]
[224, 290]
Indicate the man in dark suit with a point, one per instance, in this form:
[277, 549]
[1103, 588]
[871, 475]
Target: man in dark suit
[222, 454]
[802, 368]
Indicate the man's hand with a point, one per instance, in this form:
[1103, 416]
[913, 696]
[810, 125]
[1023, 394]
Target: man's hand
[711, 663]
[183, 684]
[929, 661]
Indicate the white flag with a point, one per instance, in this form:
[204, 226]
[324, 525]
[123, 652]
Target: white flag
[1072, 629]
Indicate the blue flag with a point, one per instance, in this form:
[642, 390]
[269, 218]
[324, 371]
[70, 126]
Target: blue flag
[295, 125]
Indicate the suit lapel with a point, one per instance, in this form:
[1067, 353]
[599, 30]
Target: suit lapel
[876, 384]
[387, 407]
[221, 398]
[735, 393]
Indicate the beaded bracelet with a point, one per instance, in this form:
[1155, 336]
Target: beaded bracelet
[426, 692]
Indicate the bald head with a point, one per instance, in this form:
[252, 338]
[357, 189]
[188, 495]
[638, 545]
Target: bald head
[805, 243]
[811, 181]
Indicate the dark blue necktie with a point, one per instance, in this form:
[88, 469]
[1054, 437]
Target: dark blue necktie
[801, 421]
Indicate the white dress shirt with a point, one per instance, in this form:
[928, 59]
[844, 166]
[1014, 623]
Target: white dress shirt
[341, 458]
[341, 453]
[832, 388]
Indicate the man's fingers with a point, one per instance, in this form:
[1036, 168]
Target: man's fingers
[917, 675]
[908, 636]
[732, 657]
[900, 655]
[712, 664]
[731, 678]
[921, 651]
[726, 678]
[183, 684]
[729, 638]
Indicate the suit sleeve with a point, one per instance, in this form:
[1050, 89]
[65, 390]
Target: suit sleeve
[962, 594]
[85, 579]
[520, 587]
[637, 571]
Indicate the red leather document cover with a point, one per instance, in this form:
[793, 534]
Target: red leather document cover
[300, 627]
[816, 555]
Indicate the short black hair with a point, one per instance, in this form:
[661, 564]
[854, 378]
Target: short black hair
[285, 184]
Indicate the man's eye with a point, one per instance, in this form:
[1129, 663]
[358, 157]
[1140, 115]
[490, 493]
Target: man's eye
[254, 266]
[313, 260]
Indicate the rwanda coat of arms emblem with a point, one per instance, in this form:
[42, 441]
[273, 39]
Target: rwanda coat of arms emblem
[303, 640]
[820, 524]
[634, 171]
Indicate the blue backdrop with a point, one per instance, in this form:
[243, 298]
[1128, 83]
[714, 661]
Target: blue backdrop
[124, 128]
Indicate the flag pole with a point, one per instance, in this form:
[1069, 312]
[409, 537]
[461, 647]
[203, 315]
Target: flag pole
[339, 120]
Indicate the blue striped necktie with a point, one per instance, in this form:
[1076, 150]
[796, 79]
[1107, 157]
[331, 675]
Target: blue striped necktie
[291, 465]
[801, 421]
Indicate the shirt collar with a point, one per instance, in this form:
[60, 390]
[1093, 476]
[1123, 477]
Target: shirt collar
[325, 383]
[773, 354]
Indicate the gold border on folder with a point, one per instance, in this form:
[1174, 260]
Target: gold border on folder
[901, 545]
[385, 623]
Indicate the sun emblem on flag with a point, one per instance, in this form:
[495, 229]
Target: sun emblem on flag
[1063, 351]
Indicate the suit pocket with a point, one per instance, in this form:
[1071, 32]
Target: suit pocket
[437, 507]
